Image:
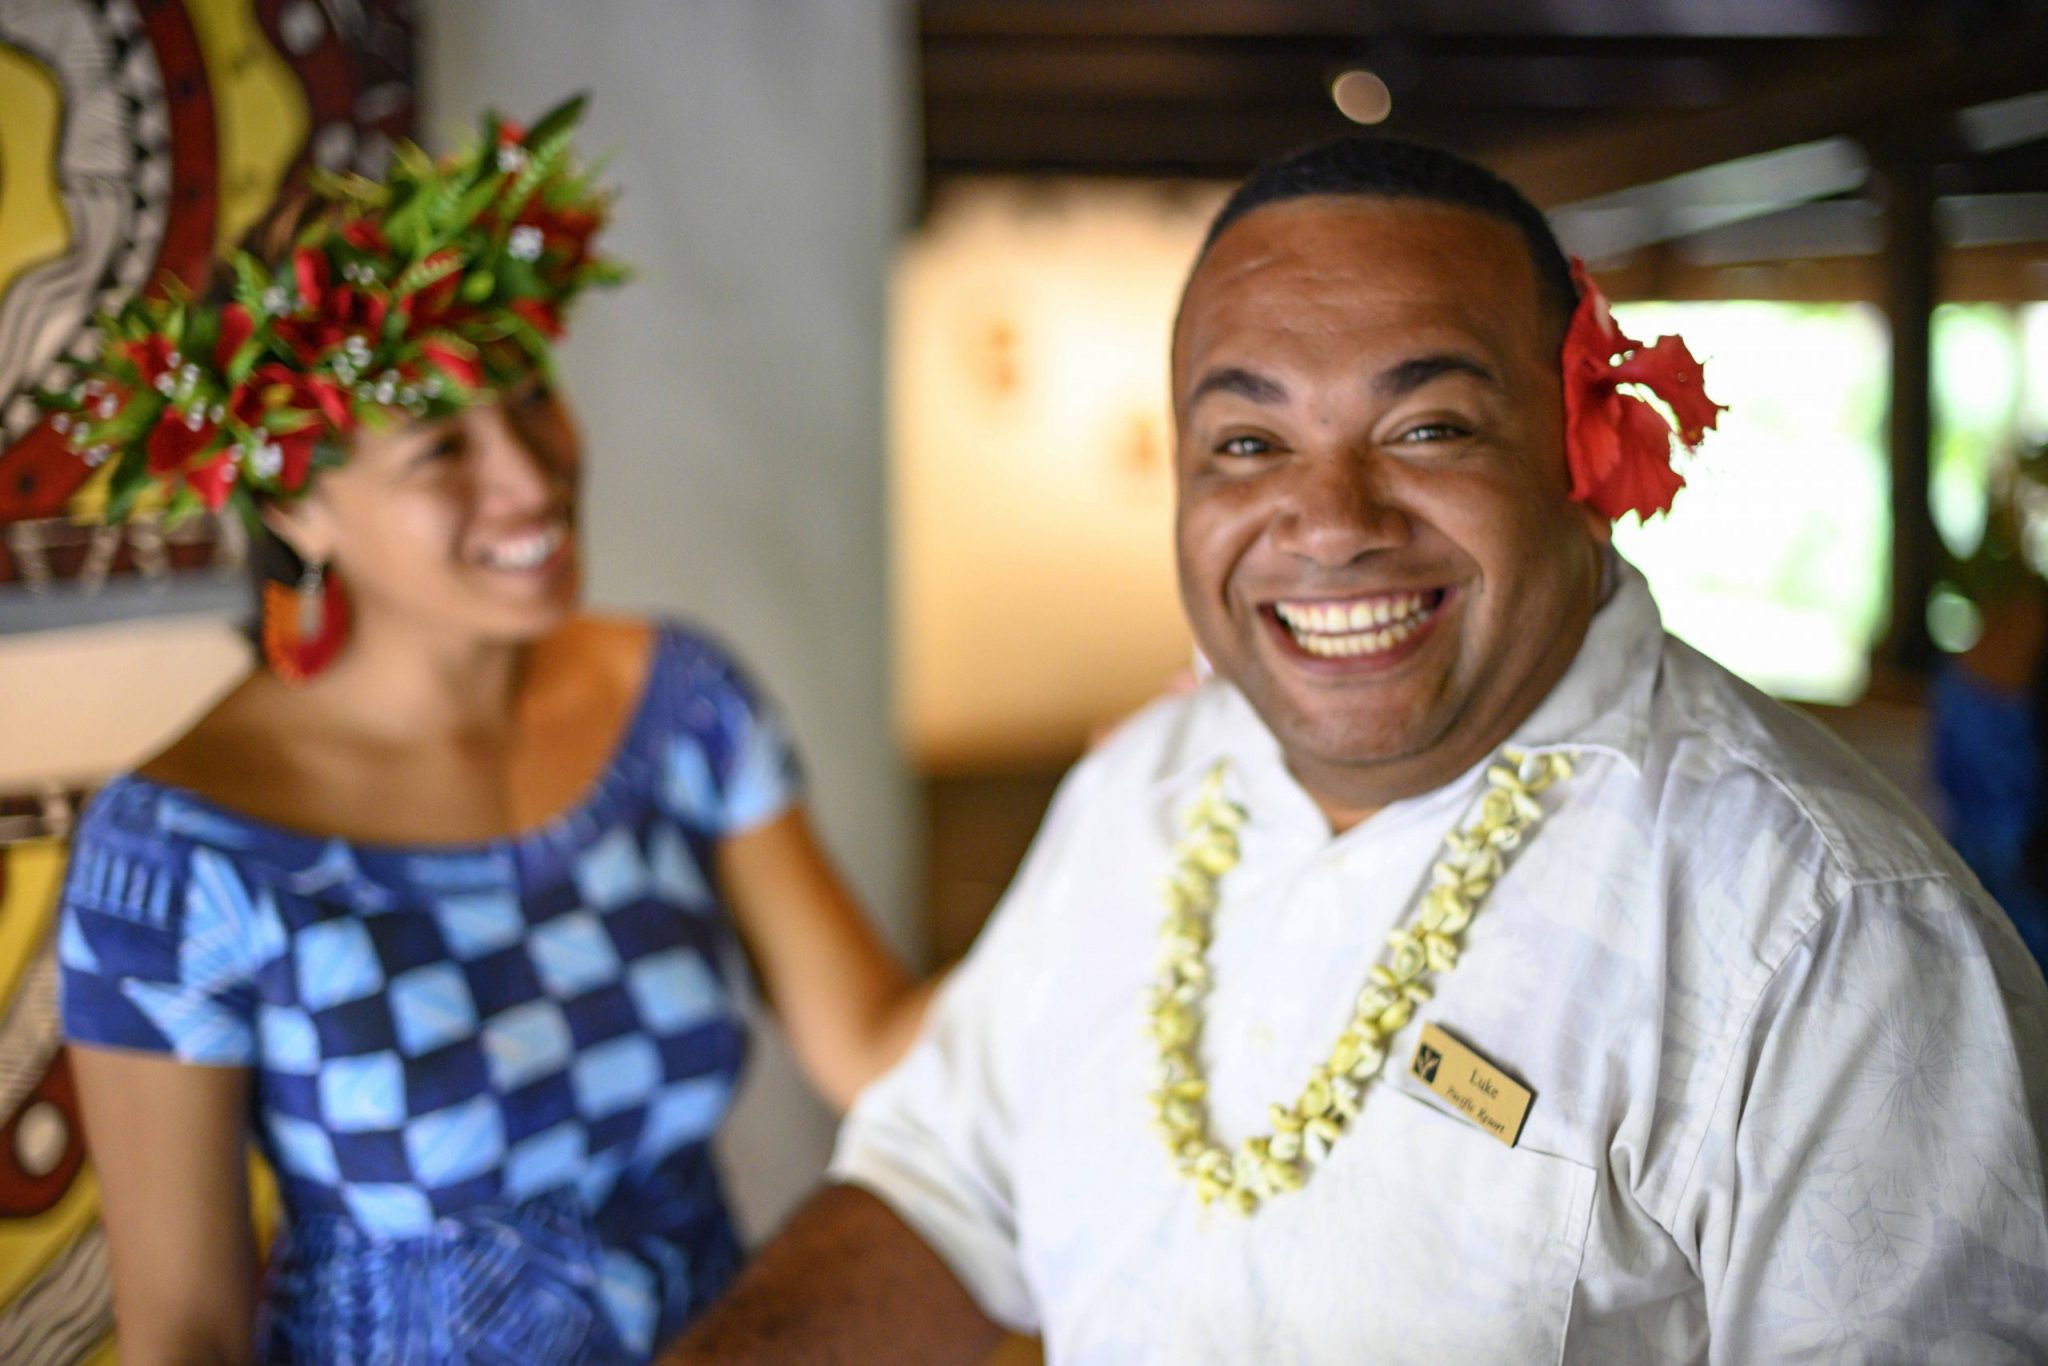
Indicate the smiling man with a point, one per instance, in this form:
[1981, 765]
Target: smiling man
[1472, 972]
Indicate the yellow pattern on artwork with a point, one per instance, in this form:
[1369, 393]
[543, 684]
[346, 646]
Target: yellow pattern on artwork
[34, 226]
[260, 109]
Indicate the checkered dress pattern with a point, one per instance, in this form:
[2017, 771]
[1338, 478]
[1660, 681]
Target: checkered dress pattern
[457, 1051]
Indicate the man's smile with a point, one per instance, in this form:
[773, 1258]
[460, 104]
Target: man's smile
[1374, 629]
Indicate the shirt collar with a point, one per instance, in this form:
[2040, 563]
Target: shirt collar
[1602, 703]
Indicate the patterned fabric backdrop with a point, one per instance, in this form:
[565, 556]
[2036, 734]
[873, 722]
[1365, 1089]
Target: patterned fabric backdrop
[140, 137]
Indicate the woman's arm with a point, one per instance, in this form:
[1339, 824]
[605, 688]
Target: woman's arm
[849, 1007]
[169, 1143]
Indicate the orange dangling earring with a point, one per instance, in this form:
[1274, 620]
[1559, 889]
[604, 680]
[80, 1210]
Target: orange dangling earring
[304, 628]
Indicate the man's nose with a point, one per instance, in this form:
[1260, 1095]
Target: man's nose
[1336, 507]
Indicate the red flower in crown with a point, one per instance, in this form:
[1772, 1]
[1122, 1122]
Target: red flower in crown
[176, 438]
[1618, 447]
[213, 481]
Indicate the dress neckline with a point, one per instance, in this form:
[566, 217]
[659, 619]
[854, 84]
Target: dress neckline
[592, 810]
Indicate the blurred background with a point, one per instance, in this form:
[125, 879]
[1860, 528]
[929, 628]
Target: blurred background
[887, 405]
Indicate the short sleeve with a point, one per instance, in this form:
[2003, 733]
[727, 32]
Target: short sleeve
[727, 763]
[934, 1138]
[156, 936]
[1878, 1194]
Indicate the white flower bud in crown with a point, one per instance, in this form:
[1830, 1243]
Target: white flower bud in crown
[267, 462]
[525, 243]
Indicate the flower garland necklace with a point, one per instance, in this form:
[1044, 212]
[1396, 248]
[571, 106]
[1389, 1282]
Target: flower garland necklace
[1303, 1133]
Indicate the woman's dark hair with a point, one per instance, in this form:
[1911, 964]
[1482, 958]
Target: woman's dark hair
[1389, 168]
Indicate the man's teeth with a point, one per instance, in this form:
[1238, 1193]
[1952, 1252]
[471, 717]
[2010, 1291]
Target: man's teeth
[523, 552]
[1366, 626]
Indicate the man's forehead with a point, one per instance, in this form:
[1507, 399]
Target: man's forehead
[1317, 261]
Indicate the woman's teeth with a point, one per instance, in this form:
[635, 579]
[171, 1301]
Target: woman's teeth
[522, 552]
[1364, 626]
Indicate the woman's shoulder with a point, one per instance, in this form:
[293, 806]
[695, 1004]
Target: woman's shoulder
[139, 817]
[724, 759]
[670, 658]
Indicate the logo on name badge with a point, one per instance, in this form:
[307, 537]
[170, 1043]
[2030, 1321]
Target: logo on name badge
[1492, 1100]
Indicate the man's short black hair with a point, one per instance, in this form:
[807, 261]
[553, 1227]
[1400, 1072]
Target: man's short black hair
[1390, 168]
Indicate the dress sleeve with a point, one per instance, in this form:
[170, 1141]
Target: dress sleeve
[155, 940]
[1872, 1189]
[727, 765]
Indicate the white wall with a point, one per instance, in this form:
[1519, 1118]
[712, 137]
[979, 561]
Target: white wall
[731, 397]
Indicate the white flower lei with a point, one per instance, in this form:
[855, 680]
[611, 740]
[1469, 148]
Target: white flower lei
[1427, 944]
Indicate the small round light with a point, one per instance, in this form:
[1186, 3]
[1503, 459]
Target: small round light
[1362, 97]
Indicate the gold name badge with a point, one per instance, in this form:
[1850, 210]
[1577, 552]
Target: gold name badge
[1478, 1090]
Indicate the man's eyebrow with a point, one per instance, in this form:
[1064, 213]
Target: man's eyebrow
[1410, 375]
[1235, 379]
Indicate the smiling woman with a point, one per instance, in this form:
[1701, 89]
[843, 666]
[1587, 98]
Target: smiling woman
[455, 900]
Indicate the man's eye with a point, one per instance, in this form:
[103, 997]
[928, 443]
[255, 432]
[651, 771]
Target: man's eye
[1433, 431]
[1244, 445]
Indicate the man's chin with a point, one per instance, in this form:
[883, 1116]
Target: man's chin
[1362, 743]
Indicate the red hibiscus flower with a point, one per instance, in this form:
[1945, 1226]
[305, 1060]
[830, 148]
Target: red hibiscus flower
[213, 481]
[544, 318]
[565, 233]
[455, 358]
[151, 356]
[298, 457]
[309, 267]
[1617, 446]
[364, 234]
[328, 314]
[236, 327]
[434, 305]
[174, 441]
[274, 387]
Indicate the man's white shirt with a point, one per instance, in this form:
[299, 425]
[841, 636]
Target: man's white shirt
[1790, 1064]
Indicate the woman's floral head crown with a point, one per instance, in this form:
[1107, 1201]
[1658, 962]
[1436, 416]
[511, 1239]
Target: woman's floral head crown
[1617, 445]
[405, 299]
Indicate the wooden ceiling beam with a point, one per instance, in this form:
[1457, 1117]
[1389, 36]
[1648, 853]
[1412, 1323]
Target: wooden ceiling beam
[1907, 92]
[1202, 73]
[1140, 138]
[1369, 18]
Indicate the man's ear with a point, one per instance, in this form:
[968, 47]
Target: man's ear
[1598, 527]
[304, 525]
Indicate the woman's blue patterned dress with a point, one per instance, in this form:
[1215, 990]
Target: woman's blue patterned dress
[486, 1075]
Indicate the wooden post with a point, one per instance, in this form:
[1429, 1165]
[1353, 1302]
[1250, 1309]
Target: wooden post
[1909, 293]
